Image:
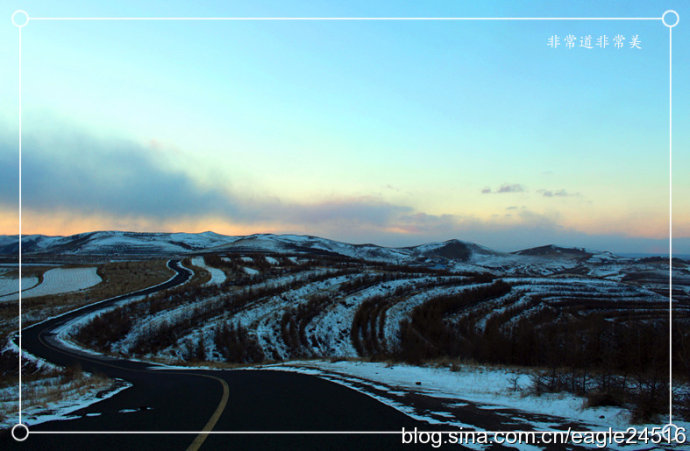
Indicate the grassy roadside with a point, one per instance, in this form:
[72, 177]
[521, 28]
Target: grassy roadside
[49, 388]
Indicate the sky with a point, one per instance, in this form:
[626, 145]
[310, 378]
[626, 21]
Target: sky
[396, 133]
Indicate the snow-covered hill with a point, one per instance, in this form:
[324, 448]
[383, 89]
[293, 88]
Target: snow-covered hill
[114, 243]
[452, 254]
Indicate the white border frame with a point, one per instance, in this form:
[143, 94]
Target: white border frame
[21, 13]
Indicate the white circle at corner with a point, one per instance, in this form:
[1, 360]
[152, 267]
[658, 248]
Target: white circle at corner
[20, 426]
[20, 18]
[669, 427]
[669, 13]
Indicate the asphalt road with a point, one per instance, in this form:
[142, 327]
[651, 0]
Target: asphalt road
[177, 401]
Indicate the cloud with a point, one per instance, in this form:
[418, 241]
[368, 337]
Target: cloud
[88, 177]
[121, 178]
[557, 193]
[505, 188]
[514, 188]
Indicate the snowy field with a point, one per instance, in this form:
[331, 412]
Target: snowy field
[490, 387]
[217, 275]
[9, 285]
[502, 391]
[56, 281]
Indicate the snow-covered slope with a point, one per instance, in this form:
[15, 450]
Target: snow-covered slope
[137, 243]
[114, 243]
[452, 254]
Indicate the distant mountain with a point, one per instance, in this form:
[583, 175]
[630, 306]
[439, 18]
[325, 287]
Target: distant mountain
[556, 251]
[124, 243]
[453, 250]
[113, 243]
[454, 255]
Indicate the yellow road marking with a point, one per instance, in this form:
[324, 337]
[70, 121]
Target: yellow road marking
[199, 440]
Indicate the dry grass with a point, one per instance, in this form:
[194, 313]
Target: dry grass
[56, 386]
[117, 278]
[201, 275]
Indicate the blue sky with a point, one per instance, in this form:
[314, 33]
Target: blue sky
[390, 132]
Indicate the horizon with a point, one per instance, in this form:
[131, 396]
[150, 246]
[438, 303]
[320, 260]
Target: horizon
[362, 243]
[389, 133]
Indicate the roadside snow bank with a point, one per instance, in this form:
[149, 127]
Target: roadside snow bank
[53, 398]
[489, 388]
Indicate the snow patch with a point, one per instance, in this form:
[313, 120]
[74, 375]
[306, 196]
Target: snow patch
[217, 275]
[61, 280]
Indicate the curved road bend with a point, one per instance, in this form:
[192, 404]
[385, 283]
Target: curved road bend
[195, 400]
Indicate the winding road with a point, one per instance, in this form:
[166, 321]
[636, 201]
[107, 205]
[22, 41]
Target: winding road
[167, 409]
